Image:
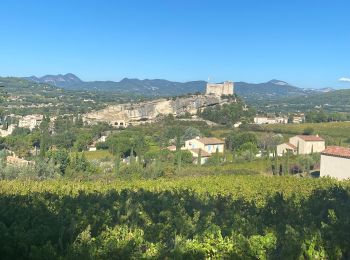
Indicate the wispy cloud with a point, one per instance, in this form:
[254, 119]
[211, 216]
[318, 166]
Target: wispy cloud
[344, 79]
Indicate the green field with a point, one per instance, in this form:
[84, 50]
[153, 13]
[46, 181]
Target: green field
[208, 217]
[332, 129]
[98, 155]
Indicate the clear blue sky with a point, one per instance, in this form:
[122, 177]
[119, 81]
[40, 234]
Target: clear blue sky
[304, 42]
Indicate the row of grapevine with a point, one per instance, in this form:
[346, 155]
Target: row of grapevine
[252, 217]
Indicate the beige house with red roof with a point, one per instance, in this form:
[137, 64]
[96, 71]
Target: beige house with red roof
[206, 146]
[204, 155]
[335, 162]
[302, 144]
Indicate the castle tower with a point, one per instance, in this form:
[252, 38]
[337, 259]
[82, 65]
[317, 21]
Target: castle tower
[226, 88]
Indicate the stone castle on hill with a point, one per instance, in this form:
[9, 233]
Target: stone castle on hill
[123, 115]
[220, 89]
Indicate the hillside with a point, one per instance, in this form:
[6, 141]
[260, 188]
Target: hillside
[21, 96]
[271, 90]
[336, 100]
[252, 93]
[146, 87]
[60, 80]
[272, 96]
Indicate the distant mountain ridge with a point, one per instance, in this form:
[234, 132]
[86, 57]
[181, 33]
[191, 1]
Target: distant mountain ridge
[59, 80]
[146, 87]
[272, 89]
[251, 92]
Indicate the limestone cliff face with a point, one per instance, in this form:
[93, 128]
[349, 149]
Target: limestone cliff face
[133, 113]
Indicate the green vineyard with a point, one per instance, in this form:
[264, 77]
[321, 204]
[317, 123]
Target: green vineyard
[208, 217]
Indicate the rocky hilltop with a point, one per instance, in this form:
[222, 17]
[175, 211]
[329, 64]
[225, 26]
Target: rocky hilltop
[136, 113]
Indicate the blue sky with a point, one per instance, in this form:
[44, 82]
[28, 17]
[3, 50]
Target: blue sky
[303, 42]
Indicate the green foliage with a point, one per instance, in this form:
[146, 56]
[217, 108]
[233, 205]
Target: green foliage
[19, 131]
[228, 114]
[214, 217]
[248, 151]
[61, 159]
[236, 139]
[190, 133]
[308, 131]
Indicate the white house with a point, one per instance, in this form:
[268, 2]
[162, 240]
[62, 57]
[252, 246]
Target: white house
[8, 131]
[204, 146]
[335, 162]
[30, 121]
[261, 120]
[298, 119]
[14, 160]
[208, 144]
[204, 155]
[302, 144]
[285, 148]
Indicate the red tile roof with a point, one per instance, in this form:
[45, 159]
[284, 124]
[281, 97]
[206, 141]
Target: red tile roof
[211, 140]
[291, 145]
[311, 138]
[337, 151]
[203, 153]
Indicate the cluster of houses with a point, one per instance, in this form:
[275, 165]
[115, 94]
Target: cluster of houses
[263, 120]
[202, 147]
[335, 160]
[29, 121]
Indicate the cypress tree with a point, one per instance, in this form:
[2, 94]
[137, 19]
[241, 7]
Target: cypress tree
[178, 149]
[298, 146]
[217, 157]
[132, 155]
[287, 163]
[199, 159]
[276, 161]
[117, 161]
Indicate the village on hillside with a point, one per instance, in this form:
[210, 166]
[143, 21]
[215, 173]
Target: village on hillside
[202, 149]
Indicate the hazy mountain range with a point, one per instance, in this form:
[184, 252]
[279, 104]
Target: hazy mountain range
[271, 90]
